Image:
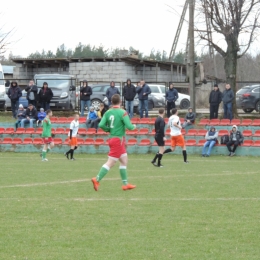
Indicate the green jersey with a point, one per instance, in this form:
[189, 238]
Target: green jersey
[116, 121]
[46, 127]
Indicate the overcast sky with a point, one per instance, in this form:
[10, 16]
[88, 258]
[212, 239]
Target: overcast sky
[143, 24]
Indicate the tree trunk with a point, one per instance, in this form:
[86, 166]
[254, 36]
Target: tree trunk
[231, 69]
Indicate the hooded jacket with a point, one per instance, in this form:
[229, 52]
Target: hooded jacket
[31, 89]
[45, 95]
[211, 135]
[14, 92]
[228, 96]
[172, 95]
[141, 90]
[129, 91]
[112, 91]
[215, 97]
[21, 114]
[85, 90]
[190, 116]
[238, 134]
[32, 114]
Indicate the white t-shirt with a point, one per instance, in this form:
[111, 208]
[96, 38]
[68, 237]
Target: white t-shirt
[175, 131]
[74, 126]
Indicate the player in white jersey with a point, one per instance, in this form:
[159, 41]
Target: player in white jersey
[74, 127]
[176, 136]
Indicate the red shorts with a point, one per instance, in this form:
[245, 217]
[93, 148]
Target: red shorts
[117, 147]
[73, 141]
[177, 141]
[47, 140]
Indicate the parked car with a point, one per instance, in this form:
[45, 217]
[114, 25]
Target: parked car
[248, 98]
[22, 100]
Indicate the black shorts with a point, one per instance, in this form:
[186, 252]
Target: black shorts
[159, 140]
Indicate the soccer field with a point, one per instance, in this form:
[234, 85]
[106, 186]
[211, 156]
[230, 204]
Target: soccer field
[208, 209]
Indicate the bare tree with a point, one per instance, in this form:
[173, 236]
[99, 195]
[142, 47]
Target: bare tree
[5, 40]
[236, 21]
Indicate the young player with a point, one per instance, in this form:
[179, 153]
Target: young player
[46, 135]
[115, 121]
[74, 127]
[159, 126]
[176, 136]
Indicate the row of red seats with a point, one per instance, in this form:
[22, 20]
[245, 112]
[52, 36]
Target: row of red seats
[226, 122]
[202, 132]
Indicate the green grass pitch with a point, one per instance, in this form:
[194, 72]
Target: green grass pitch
[208, 209]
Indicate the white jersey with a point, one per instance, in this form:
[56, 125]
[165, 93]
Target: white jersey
[74, 126]
[175, 131]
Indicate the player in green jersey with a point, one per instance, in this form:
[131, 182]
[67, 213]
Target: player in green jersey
[115, 121]
[46, 135]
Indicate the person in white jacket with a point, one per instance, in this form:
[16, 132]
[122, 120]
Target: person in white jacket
[211, 139]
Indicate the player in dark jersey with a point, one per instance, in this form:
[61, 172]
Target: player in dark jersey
[159, 137]
[115, 121]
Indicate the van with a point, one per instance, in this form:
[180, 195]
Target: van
[2, 88]
[63, 88]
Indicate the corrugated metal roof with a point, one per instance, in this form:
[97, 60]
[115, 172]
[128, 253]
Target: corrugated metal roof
[7, 69]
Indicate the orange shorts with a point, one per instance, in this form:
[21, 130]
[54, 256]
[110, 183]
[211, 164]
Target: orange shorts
[177, 141]
[73, 141]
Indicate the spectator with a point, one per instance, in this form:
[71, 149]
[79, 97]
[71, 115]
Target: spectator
[100, 113]
[85, 93]
[171, 97]
[14, 93]
[227, 98]
[236, 138]
[30, 116]
[41, 116]
[92, 115]
[211, 139]
[143, 92]
[31, 90]
[45, 96]
[111, 91]
[20, 115]
[215, 98]
[189, 118]
[129, 93]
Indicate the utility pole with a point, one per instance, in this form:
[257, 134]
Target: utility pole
[191, 56]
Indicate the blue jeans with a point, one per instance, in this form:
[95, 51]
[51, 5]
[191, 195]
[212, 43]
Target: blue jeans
[228, 111]
[209, 144]
[45, 106]
[15, 106]
[26, 121]
[143, 105]
[129, 106]
[83, 104]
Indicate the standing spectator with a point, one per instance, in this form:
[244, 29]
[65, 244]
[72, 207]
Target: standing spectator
[30, 116]
[189, 118]
[31, 90]
[85, 93]
[143, 92]
[227, 98]
[41, 116]
[100, 113]
[45, 96]
[14, 93]
[211, 139]
[92, 115]
[215, 98]
[236, 138]
[20, 115]
[111, 91]
[171, 97]
[129, 93]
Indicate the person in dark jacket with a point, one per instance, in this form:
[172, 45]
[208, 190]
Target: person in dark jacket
[45, 96]
[129, 93]
[14, 93]
[189, 118]
[171, 97]
[20, 115]
[211, 139]
[31, 90]
[85, 93]
[30, 116]
[111, 91]
[236, 138]
[227, 98]
[143, 92]
[215, 98]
